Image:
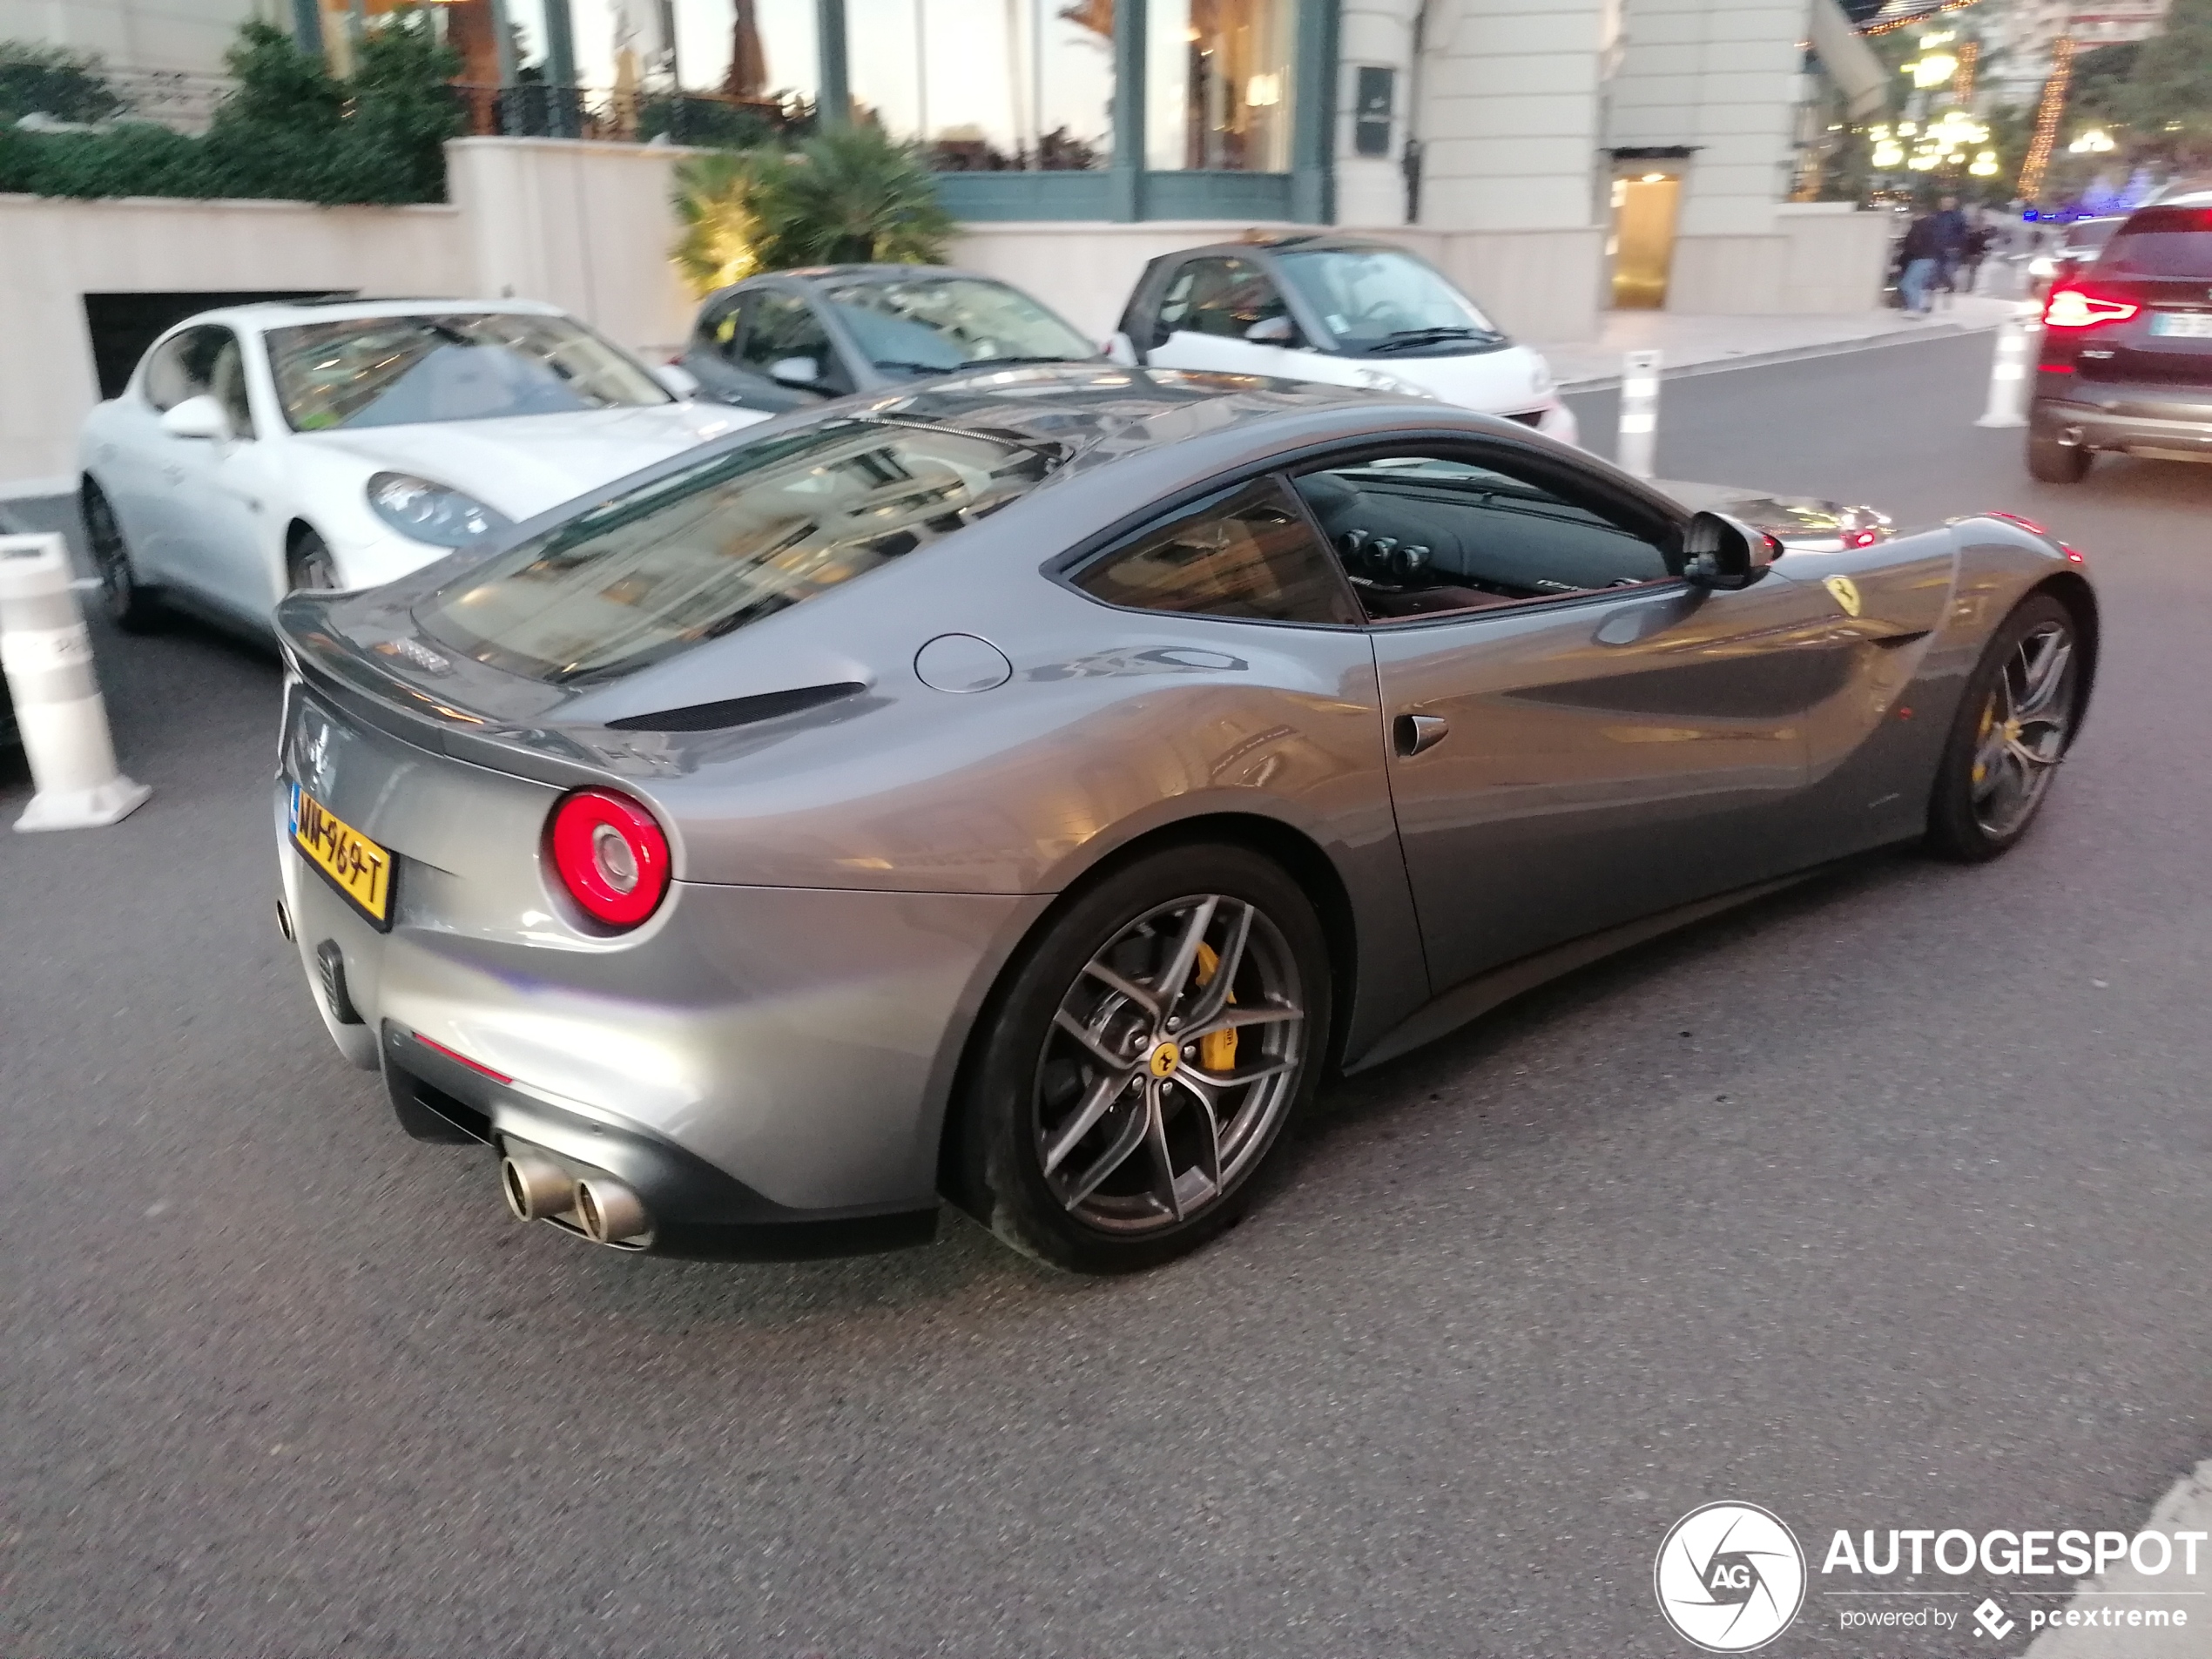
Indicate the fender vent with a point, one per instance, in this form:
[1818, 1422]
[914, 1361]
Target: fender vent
[737, 711]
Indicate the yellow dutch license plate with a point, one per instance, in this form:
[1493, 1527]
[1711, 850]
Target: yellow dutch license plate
[348, 859]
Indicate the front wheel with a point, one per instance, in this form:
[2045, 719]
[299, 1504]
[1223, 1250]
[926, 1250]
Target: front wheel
[310, 567]
[2012, 729]
[1141, 1063]
[131, 605]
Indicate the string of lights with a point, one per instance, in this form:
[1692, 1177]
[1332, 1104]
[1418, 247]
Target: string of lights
[2048, 114]
[1962, 84]
[1883, 25]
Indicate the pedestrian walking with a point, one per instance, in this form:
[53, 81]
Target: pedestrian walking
[1919, 262]
[1952, 231]
[1980, 239]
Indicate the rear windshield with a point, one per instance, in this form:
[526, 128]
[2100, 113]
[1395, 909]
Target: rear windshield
[2163, 242]
[698, 555]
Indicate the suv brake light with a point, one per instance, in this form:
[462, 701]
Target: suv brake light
[2078, 308]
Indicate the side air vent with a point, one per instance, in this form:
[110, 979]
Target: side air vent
[737, 711]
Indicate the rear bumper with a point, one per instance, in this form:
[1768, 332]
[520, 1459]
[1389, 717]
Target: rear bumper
[775, 1062]
[2169, 436]
[698, 1212]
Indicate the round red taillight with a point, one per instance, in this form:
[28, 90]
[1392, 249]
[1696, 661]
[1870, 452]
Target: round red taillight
[610, 856]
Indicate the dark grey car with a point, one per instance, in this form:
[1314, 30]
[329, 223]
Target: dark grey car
[794, 338]
[2126, 361]
[1026, 790]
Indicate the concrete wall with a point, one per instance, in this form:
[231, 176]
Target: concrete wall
[190, 35]
[586, 225]
[1510, 116]
[1721, 75]
[1820, 258]
[57, 251]
[1371, 189]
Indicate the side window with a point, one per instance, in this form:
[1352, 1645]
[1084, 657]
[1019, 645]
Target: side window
[1219, 297]
[718, 329]
[204, 360]
[179, 366]
[778, 326]
[1421, 535]
[226, 379]
[1250, 555]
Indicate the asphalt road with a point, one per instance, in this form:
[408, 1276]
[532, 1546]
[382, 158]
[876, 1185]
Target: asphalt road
[1883, 1204]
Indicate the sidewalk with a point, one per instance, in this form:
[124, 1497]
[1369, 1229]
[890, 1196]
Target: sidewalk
[1692, 343]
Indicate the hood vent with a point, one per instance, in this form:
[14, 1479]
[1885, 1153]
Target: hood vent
[737, 711]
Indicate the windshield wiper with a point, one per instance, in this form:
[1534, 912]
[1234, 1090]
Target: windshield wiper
[1400, 339]
[919, 368]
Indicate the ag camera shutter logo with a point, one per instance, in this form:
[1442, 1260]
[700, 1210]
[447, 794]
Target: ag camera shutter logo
[1730, 1577]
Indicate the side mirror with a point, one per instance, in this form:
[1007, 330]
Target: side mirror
[197, 417]
[1274, 331]
[1722, 552]
[795, 371]
[678, 381]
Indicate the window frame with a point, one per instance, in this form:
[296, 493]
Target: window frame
[1067, 568]
[1476, 453]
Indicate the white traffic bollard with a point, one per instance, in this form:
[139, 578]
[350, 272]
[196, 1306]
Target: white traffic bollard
[2009, 374]
[1639, 428]
[47, 657]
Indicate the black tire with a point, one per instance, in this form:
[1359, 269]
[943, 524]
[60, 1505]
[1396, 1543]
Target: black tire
[308, 566]
[131, 605]
[2050, 462]
[1030, 1080]
[1964, 820]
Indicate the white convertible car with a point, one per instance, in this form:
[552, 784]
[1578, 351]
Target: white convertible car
[263, 447]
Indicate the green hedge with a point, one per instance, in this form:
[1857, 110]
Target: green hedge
[288, 132]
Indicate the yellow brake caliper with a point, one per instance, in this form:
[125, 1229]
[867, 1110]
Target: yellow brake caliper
[1988, 720]
[1217, 1050]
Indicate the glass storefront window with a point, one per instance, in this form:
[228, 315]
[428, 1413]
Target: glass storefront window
[659, 44]
[1217, 85]
[988, 85]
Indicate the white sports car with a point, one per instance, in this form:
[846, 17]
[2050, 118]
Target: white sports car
[258, 449]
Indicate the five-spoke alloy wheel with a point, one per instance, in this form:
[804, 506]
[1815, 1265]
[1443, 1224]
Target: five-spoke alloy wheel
[2018, 716]
[1145, 1058]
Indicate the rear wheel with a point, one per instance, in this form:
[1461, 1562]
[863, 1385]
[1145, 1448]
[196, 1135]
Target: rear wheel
[2011, 731]
[1141, 1063]
[2050, 462]
[131, 605]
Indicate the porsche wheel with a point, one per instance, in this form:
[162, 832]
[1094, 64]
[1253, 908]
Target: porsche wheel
[1143, 1059]
[310, 567]
[131, 605]
[2013, 728]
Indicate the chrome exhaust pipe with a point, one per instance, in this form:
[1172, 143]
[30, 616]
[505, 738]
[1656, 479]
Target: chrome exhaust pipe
[537, 1189]
[608, 1212]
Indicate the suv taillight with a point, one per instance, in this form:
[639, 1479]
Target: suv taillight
[2078, 308]
[611, 855]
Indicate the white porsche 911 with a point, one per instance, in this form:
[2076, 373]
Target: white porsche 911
[260, 448]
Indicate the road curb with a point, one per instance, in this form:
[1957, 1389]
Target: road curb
[1795, 353]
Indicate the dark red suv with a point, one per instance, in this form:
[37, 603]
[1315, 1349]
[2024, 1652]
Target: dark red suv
[2127, 359]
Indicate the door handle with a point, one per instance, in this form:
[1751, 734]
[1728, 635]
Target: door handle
[1413, 733]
